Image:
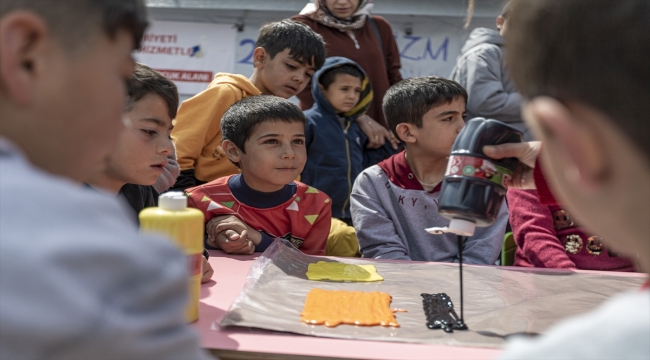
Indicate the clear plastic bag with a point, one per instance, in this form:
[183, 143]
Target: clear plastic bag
[499, 302]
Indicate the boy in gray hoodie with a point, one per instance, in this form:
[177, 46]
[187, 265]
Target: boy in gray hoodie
[394, 201]
[481, 69]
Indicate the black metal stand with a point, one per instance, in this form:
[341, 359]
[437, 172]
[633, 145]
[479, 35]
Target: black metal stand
[460, 324]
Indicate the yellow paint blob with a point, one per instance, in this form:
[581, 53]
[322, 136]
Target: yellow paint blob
[332, 271]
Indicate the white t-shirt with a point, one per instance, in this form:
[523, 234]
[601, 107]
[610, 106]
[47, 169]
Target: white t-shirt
[618, 329]
[77, 281]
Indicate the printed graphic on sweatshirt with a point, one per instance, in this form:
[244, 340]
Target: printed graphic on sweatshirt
[303, 219]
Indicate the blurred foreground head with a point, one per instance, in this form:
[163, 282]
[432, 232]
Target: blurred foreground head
[64, 65]
[583, 65]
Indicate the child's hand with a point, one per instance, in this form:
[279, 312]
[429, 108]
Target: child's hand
[526, 153]
[233, 243]
[230, 234]
[206, 270]
[376, 133]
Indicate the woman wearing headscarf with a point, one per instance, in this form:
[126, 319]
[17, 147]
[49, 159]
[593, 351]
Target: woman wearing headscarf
[350, 31]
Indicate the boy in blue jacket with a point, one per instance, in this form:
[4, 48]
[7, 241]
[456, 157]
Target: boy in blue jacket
[335, 143]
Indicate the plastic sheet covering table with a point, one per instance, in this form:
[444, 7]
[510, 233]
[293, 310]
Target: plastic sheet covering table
[498, 301]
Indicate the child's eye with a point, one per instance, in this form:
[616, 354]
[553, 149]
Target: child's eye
[149, 132]
[299, 141]
[449, 119]
[271, 141]
[309, 75]
[292, 67]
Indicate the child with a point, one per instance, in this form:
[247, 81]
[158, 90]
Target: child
[77, 281]
[335, 144]
[548, 235]
[583, 66]
[144, 147]
[482, 70]
[287, 55]
[395, 200]
[264, 136]
[142, 151]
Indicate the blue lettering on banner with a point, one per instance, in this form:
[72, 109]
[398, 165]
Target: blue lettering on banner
[248, 59]
[406, 48]
[443, 49]
[407, 51]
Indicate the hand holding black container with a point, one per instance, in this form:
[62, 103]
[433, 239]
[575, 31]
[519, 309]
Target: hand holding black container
[473, 190]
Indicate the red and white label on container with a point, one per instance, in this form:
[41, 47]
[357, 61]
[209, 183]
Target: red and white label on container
[460, 165]
[194, 263]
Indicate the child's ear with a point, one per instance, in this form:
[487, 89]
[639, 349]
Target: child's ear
[405, 133]
[573, 136]
[232, 151]
[260, 57]
[500, 21]
[24, 42]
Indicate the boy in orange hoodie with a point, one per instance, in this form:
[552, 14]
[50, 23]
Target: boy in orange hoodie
[286, 56]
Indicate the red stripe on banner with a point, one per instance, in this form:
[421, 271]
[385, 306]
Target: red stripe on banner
[187, 75]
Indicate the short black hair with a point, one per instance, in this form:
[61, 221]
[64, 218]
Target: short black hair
[507, 9]
[304, 44]
[329, 76]
[144, 80]
[240, 120]
[71, 21]
[408, 100]
[595, 52]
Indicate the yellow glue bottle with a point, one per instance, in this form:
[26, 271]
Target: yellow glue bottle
[184, 225]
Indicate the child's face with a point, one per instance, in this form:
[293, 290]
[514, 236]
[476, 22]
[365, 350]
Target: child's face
[440, 127]
[73, 102]
[275, 155]
[284, 76]
[143, 147]
[343, 94]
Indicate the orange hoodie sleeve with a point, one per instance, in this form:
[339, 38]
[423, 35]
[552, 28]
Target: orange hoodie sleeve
[198, 122]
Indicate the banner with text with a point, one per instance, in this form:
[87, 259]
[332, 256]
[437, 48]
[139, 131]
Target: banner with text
[430, 47]
[189, 53]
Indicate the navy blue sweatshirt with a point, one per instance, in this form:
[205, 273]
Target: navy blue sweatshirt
[335, 145]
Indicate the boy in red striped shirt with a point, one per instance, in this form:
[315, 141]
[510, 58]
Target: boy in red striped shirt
[265, 137]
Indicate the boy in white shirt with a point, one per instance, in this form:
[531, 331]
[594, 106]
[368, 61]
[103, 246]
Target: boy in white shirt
[583, 65]
[77, 281]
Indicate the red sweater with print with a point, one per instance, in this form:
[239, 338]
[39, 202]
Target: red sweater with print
[548, 237]
[304, 219]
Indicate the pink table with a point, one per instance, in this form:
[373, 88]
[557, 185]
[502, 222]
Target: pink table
[240, 343]
[229, 278]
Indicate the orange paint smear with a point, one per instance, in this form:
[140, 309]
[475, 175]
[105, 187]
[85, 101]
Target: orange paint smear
[334, 307]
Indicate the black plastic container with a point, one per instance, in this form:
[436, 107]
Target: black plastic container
[473, 186]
